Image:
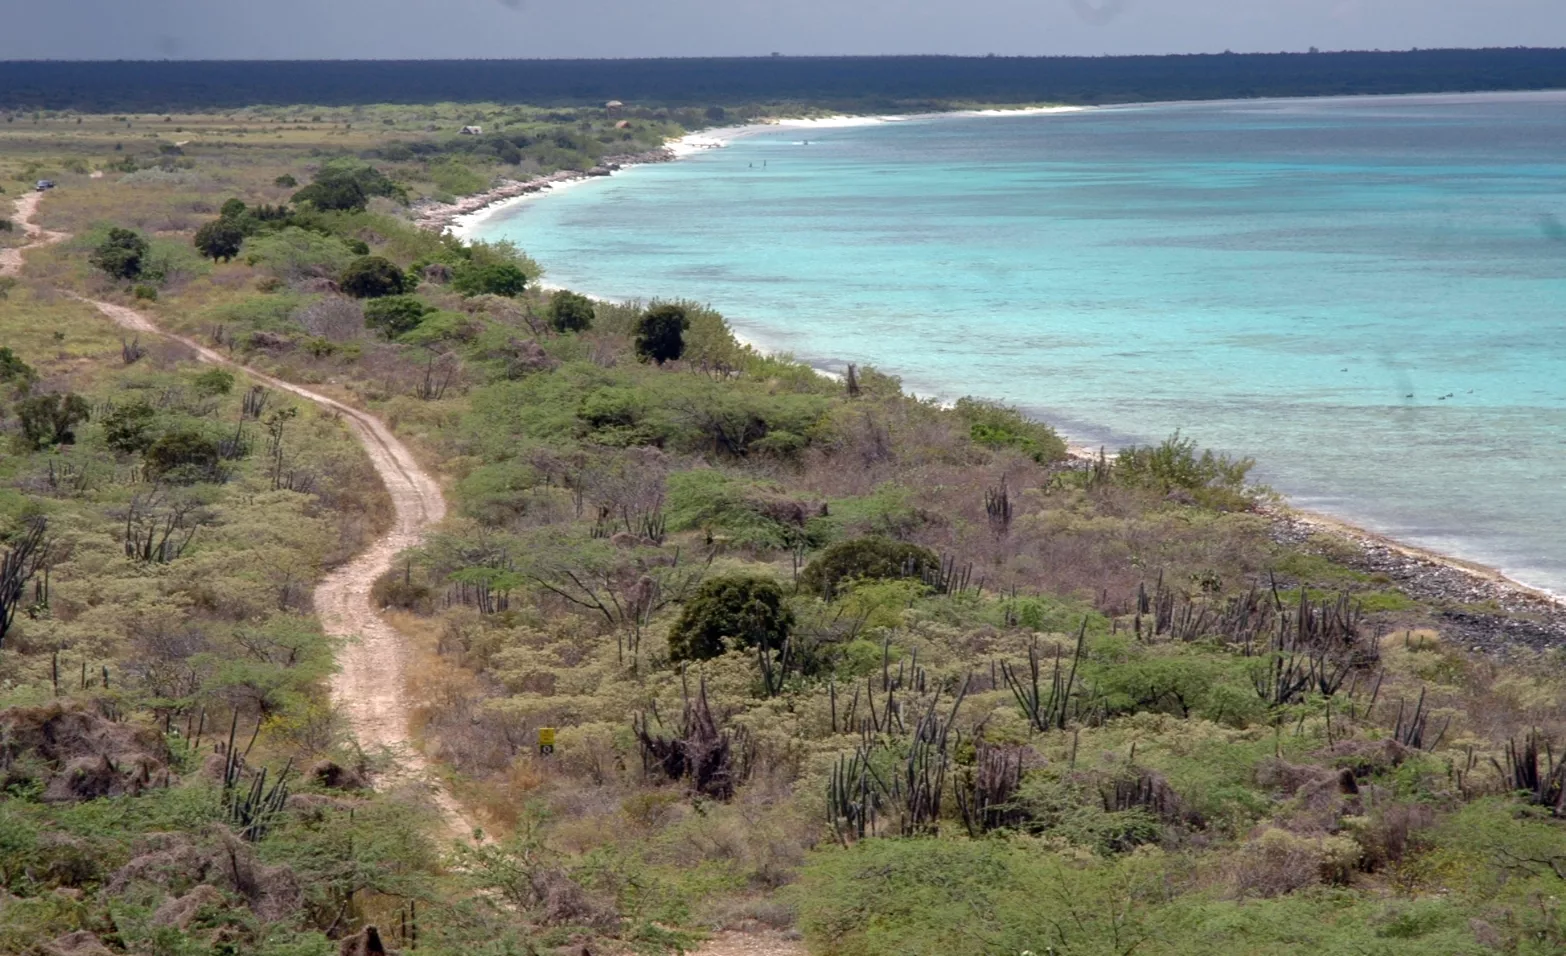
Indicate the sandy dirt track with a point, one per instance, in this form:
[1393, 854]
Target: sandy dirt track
[26, 208]
[373, 659]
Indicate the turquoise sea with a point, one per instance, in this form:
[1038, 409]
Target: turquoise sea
[1367, 295]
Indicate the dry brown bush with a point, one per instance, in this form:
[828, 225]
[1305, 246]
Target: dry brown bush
[335, 318]
[83, 755]
[1392, 833]
[1276, 862]
[224, 862]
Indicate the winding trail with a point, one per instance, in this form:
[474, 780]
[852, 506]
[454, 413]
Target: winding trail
[373, 659]
[26, 208]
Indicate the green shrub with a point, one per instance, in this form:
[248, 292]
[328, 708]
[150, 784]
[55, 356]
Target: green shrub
[214, 382]
[730, 612]
[500, 278]
[995, 425]
[15, 372]
[285, 181]
[929, 897]
[750, 514]
[1174, 465]
[454, 177]
[373, 277]
[395, 315]
[295, 253]
[660, 334]
[182, 457]
[220, 239]
[441, 326]
[865, 559]
[121, 254]
[569, 312]
[51, 419]
[128, 428]
[347, 185]
[144, 292]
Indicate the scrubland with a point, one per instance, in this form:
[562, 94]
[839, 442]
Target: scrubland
[821, 658]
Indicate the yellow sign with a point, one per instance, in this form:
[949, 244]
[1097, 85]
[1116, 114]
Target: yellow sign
[546, 741]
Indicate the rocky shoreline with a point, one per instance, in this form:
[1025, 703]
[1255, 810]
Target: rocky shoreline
[1478, 608]
[438, 217]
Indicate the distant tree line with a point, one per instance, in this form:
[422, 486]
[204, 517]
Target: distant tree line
[844, 82]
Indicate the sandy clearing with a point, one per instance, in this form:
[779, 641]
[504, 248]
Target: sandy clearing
[373, 658]
[745, 944]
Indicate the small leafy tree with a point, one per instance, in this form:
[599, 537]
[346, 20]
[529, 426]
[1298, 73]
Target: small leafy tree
[121, 255]
[865, 559]
[500, 278]
[347, 185]
[285, 181]
[25, 556]
[233, 209]
[570, 312]
[660, 334]
[51, 419]
[728, 612]
[15, 372]
[395, 315]
[220, 239]
[373, 277]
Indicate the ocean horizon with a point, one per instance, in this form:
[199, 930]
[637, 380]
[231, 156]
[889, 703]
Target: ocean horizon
[1363, 294]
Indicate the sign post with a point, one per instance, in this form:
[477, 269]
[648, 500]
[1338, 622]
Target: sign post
[546, 741]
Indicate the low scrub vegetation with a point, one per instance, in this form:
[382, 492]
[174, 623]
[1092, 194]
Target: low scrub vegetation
[814, 654]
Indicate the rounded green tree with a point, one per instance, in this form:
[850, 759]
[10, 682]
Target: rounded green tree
[660, 334]
[120, 254]
[500, 278]
[728, 612]
[569, 312]
[219, 240]
[51, 419]
[395, 315]
[372, 277]
[872, 558]
[182, 457]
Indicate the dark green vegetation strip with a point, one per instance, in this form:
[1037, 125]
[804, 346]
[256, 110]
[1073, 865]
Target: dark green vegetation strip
[837, 82]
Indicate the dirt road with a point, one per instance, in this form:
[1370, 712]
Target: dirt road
[373, 660]
[26, 208]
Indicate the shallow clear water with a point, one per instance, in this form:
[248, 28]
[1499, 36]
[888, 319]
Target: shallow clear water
[1299, 281]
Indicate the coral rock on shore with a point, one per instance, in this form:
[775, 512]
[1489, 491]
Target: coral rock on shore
[439, 216]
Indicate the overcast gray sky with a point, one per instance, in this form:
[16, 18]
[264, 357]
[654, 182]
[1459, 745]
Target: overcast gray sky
[156, 29]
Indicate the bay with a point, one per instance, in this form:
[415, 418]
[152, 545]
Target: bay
[1367, 295]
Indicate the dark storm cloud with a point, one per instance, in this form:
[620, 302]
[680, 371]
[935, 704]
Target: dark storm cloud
[530, 28]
